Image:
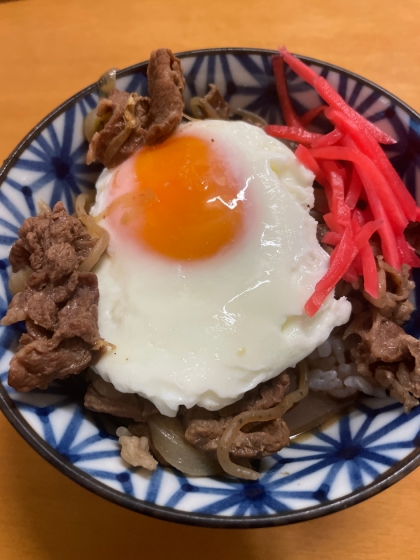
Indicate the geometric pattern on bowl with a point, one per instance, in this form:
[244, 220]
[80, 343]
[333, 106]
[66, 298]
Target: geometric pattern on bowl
[335, 466]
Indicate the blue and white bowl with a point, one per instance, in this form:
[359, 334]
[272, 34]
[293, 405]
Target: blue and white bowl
[339, 465]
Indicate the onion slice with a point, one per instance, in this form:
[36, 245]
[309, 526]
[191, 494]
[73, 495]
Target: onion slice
[202, 109]
[310, 413]
[18, 280]
[169, 440]
[251, 118]
[92, 124]
[94, 230]
[107, 82]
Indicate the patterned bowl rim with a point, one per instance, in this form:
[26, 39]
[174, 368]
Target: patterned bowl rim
[398, 471]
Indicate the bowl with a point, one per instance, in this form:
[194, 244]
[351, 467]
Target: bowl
[328, 469]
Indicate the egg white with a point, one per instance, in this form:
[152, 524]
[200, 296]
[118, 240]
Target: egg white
[205, 332]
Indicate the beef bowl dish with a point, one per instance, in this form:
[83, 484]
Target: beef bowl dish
[209, 267]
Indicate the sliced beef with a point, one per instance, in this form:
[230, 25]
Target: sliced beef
[412, 234]
[102, 396]
[212, 105]
[386, 341]
[125, 115]
[203, 428]
[390, 356]
[41, 309]
[166, 88]
[216, 100]
[79, 315]
[38, 234]
[38, 362]
[394, 290]
[60, 260]
[262, 441]
[266, 395]
[58, 303]
[131, 120]
[385, 352]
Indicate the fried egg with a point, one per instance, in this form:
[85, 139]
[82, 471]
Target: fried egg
[212, 256]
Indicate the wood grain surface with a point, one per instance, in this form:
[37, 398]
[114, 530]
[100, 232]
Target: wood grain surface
[50, 50]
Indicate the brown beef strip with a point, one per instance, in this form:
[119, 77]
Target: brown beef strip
[133, 120]
[263, 441]
[166, 87]
[203, 428]
[38, 362]
[412, 234]
[59, 304]
[219, 108]
[266, 395]
[79, 315]
[38, 234]
[217, 101]
[102, 396]
[390, 356]
[385, 353]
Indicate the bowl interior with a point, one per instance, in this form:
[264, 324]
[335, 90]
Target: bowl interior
[339, 464]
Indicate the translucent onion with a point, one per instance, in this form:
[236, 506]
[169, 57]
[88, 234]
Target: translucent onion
[168, 438]
[105, 389]
[18, 280]
[188, 118]
[313, 411]
[95, 254]
[43, 207]
[91, 124]
[239, 421]
[202, 109]
[130, 123]
[94, 230]
[251, 118]
[107, 82]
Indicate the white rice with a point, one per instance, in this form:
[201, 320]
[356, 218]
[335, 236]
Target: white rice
[332, 371]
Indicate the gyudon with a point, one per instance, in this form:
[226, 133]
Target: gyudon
[216, 262]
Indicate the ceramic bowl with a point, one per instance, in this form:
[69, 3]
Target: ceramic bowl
[334, 467]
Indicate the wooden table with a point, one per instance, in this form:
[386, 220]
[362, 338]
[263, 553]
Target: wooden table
[48, 51]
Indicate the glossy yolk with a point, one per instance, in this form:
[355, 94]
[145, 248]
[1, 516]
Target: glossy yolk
[184, 204]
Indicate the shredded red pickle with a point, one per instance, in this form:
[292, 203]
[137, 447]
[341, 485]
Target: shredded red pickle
[352, 167]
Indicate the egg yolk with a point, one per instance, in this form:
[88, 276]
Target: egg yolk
[185, 202]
